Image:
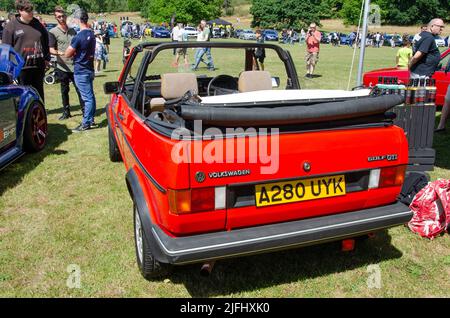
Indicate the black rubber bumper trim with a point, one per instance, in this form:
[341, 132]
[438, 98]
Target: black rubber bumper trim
[196, 248]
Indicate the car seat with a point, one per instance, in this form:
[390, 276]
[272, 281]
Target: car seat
[250, 81]
[174, 85]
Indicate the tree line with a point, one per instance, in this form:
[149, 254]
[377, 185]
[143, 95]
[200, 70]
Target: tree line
[266, 13]
[47, 6]
[299, 13]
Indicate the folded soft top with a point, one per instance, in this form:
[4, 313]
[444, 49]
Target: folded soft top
[295, 114]
[282, 96]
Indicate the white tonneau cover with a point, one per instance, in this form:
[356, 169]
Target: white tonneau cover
[284, 95]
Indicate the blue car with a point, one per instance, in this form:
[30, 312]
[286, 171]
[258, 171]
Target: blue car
[160, 32]
[344, 39]
[23, 119]
[270, 35]
[50, 26]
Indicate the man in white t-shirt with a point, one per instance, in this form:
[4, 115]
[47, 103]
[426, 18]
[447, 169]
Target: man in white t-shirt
[176, 33]
[377, 39]
[181, 52]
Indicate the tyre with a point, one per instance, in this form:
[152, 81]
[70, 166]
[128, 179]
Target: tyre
[114, 153]
[149, 267]
[36, 129]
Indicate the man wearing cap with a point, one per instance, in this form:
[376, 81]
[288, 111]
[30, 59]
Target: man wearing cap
[29, 38]
[59, 40]
[82, 49]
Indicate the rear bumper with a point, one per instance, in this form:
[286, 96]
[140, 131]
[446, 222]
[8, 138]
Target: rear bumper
[196, 248]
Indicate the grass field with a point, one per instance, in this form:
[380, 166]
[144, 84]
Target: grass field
[68, 205]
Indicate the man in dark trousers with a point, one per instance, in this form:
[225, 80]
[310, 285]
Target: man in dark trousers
[59, 40]
[82, 49]
[30, 39]
[426, 53]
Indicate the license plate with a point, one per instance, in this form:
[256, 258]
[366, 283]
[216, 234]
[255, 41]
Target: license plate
[299, 190]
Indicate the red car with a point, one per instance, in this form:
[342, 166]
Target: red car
[442, 79]
[228, 163]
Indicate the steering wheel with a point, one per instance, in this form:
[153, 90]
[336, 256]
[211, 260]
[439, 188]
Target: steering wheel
[222, 85]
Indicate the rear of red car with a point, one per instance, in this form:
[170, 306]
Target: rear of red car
[302, 175]
[252, 191]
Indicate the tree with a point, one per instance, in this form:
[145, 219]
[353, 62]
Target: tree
[7, 5]
[330, 8]
[228, 7]
[399, 12]
[187, 11]
[351, 10]
[285, 13]
[406, 12]
[134, 5]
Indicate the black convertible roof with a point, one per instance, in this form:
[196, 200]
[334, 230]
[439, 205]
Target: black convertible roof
[296, 114]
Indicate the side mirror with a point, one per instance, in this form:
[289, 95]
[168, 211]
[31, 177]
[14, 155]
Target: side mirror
[111, 87]
[275, 82]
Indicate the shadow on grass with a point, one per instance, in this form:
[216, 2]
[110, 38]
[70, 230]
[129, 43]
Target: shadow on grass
[103, 123]
[441, 143]
[14, 173]
[252, 273]
[73, 108]
[76, 111]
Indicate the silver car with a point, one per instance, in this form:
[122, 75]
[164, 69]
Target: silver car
[191, 31]
[247, 35]
[440, 42]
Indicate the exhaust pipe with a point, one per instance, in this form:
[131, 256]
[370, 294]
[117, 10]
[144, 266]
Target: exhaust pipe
[207, 268]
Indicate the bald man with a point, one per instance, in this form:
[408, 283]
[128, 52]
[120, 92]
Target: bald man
[426, 53]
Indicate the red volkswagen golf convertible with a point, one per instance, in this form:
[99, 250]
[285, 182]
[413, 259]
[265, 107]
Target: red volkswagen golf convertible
[236, 160]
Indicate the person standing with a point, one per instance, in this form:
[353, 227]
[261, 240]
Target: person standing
[313, 38]
[126, 51]
[416, 37]
[100, 51]
[208, 35]
[30, 39]
[106, 38]
[351, 38]
[302, 36]
[59, 40]
[82, 49]
[377, 39]
[404, 54]
[426, 53]
[181, 52]
[176, 34]
[204, 34]
[260, 53]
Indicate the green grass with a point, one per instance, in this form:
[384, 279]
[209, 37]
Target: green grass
[69, 205]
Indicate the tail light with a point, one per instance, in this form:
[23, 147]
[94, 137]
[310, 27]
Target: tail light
[387, 177]
[196, 200]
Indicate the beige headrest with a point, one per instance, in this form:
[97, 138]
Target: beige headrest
[250, 81]
[175, 85]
